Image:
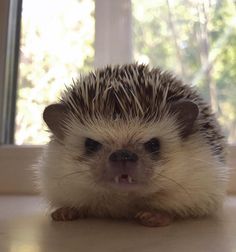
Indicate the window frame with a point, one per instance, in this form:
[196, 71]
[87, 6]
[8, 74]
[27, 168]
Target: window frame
[16, 161]
[10, 17]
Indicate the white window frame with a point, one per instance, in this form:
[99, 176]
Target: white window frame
[113, 20]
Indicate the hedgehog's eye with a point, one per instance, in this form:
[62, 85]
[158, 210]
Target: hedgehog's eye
[92, 146]
[152, 146]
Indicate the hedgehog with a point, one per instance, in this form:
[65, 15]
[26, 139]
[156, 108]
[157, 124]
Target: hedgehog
[133, 142]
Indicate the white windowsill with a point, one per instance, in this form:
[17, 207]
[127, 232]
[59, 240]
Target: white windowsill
[24, 226]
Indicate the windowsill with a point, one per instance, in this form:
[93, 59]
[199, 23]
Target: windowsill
[24, 226]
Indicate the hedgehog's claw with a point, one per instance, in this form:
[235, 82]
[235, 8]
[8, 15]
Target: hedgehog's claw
[153, 219]
[65, 214]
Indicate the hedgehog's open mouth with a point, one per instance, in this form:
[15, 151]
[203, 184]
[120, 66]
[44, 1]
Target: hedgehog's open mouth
[124, 179]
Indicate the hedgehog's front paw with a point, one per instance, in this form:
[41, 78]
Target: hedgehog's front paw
[153, 219]
[65, 214]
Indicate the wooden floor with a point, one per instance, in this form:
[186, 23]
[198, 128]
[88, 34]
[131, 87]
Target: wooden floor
[25, 227]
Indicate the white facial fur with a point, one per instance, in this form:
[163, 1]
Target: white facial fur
[186, 180]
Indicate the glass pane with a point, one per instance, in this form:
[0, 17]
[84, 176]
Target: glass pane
[56, 44]
[197, 40]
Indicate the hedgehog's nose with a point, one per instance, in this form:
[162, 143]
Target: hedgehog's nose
[123, 155]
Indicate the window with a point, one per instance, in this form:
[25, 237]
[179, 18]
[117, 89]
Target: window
[193, 38]
[60, 39]
[54, 48]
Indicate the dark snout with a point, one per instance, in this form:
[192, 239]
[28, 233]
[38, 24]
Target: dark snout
[123, 156]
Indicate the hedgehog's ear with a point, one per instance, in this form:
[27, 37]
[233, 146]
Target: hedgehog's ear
[186, 113]
[54, 115]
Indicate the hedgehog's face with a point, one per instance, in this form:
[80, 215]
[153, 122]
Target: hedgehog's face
[119, 154]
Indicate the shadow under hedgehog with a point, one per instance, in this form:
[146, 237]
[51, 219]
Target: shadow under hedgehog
[132, 142]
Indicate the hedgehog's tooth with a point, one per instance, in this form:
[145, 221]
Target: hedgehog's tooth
[117, 180]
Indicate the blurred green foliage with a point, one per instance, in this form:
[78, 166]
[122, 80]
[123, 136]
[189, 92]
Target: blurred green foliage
[196, 39]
